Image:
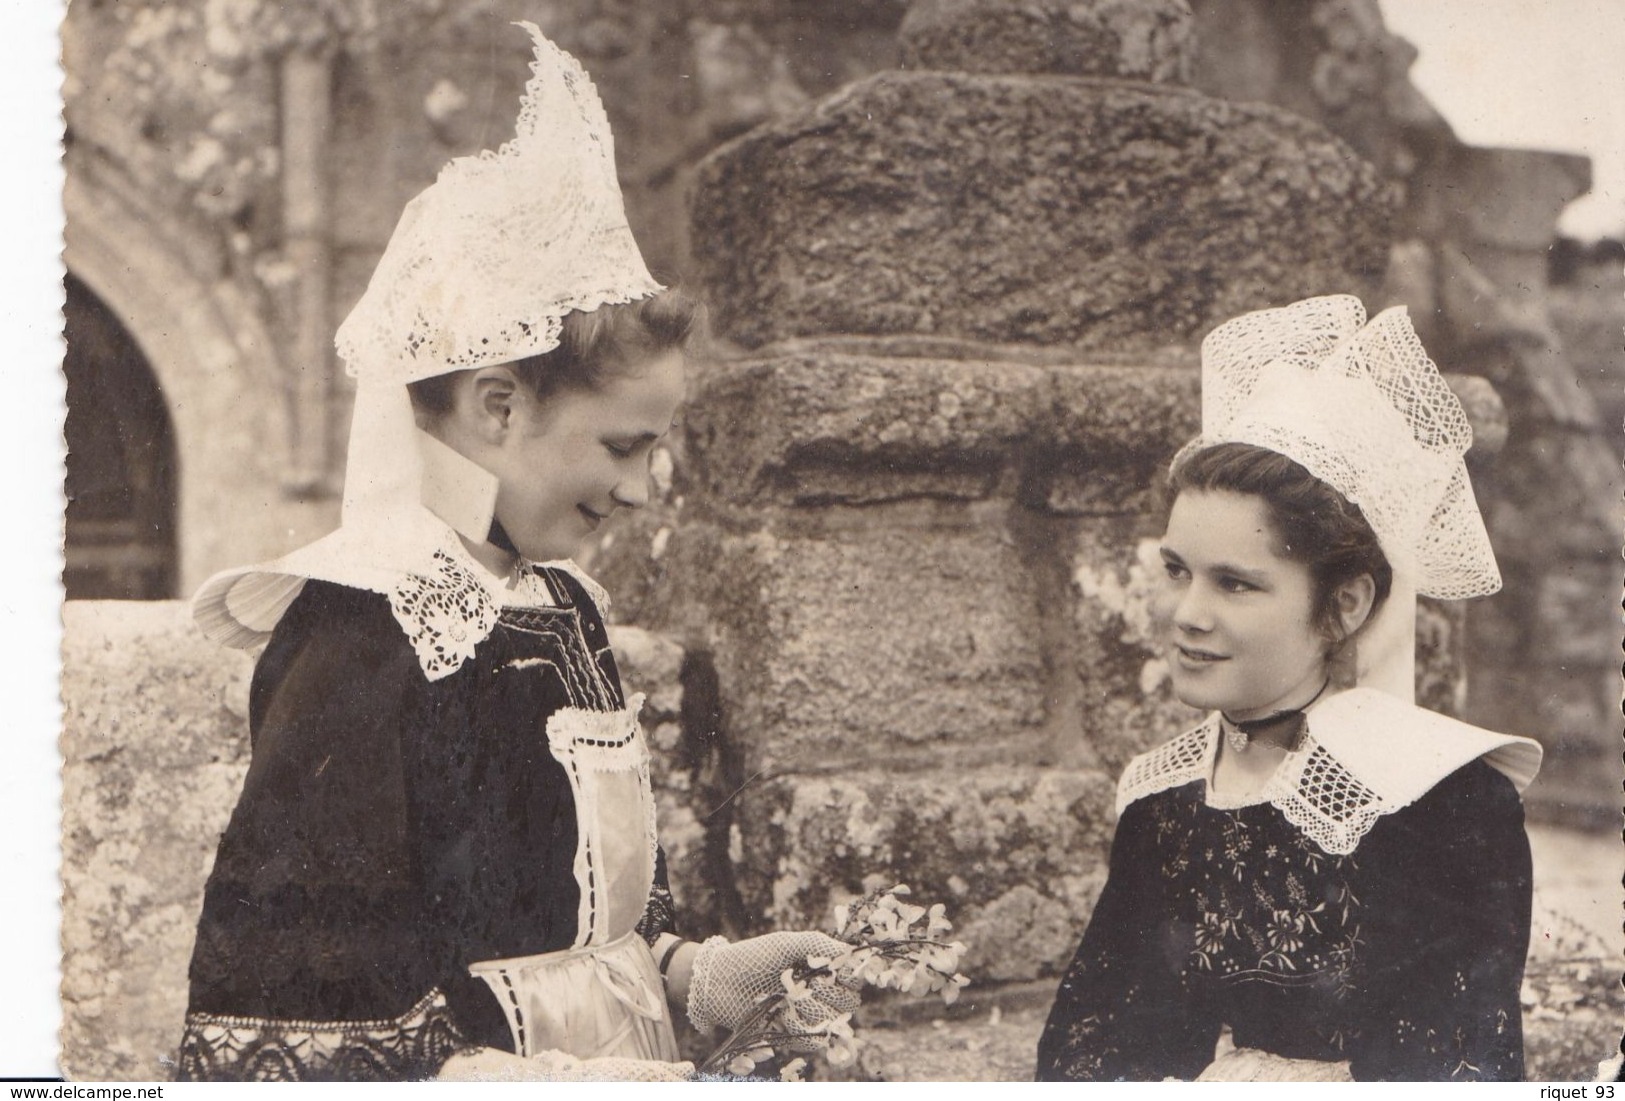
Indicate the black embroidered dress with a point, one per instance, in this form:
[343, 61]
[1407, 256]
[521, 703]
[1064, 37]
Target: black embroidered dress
[1403, 956]
[393, 830]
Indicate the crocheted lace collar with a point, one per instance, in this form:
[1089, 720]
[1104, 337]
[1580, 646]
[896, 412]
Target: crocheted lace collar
[1363, 754]
[445, 601]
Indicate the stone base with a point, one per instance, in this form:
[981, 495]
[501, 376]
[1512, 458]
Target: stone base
[1015, 854]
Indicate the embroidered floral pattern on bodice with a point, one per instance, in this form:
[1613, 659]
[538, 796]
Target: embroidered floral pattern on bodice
[1402, 958]
[1266, 906]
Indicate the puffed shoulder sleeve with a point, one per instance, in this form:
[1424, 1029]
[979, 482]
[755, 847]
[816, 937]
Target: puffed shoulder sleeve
[1449, 896]
[310, 960]
[1123, 1011]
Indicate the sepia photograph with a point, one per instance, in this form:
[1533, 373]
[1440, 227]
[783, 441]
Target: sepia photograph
[838, 541]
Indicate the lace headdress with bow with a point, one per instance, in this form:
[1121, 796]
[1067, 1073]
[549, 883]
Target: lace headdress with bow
[1360, 406]
[482, 268]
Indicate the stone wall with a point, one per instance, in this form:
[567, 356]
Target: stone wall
[1545, 649]
[1588, 315]
[154, 748]
[190, 215]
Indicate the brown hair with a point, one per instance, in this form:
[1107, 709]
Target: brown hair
[594, 345]
[1312, 522]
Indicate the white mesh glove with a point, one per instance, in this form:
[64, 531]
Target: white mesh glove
[488, 1064]
[728, 979]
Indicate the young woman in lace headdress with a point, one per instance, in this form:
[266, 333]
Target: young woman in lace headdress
[444, 859]
[1331, 875]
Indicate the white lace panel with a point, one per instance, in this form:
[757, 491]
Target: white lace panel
[1170, 765]
[445, 613]
[447, 610]
[1362, 407]
[1311, 789]
[1325, 800]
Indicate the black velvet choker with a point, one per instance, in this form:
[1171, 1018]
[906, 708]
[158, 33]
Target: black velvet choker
[1289, 722]
[499, 539]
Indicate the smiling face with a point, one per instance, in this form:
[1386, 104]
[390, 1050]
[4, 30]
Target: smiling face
[1235, 613]
[566, 462]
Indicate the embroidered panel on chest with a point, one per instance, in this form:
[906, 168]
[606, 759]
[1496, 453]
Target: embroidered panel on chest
[549, 642]
[1265, 903]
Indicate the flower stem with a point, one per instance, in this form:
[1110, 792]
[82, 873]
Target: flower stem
[746, 1036]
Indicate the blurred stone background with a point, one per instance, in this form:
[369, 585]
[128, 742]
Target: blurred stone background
[958, 255]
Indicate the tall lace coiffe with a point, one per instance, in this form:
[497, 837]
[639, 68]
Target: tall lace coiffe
[482, 268]
[485, 263]
[1360, 406]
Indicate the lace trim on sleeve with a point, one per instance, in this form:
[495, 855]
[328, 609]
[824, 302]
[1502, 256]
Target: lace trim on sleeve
[258, 1049]
[1172, 764]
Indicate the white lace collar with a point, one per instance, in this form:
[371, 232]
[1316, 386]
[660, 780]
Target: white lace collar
[444, 600]
[451, 606]
[1363, 754]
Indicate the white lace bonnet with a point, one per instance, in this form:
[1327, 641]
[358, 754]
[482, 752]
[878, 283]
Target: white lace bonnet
[1361, 407]
[482, 268]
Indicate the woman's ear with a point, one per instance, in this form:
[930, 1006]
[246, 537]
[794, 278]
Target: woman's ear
[1355, 598]
[490, 397]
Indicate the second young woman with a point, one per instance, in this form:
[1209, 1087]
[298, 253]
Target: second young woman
[1332, 876]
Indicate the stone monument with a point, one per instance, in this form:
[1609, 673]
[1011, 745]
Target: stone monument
[910, 531]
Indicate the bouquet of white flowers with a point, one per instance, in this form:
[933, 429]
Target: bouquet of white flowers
[893, 944]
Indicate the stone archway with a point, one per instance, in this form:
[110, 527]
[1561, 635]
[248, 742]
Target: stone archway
[215, 364]
[120, 494]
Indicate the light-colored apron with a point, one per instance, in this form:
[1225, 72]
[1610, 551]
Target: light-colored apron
[603, 996]
[1246, 1064]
